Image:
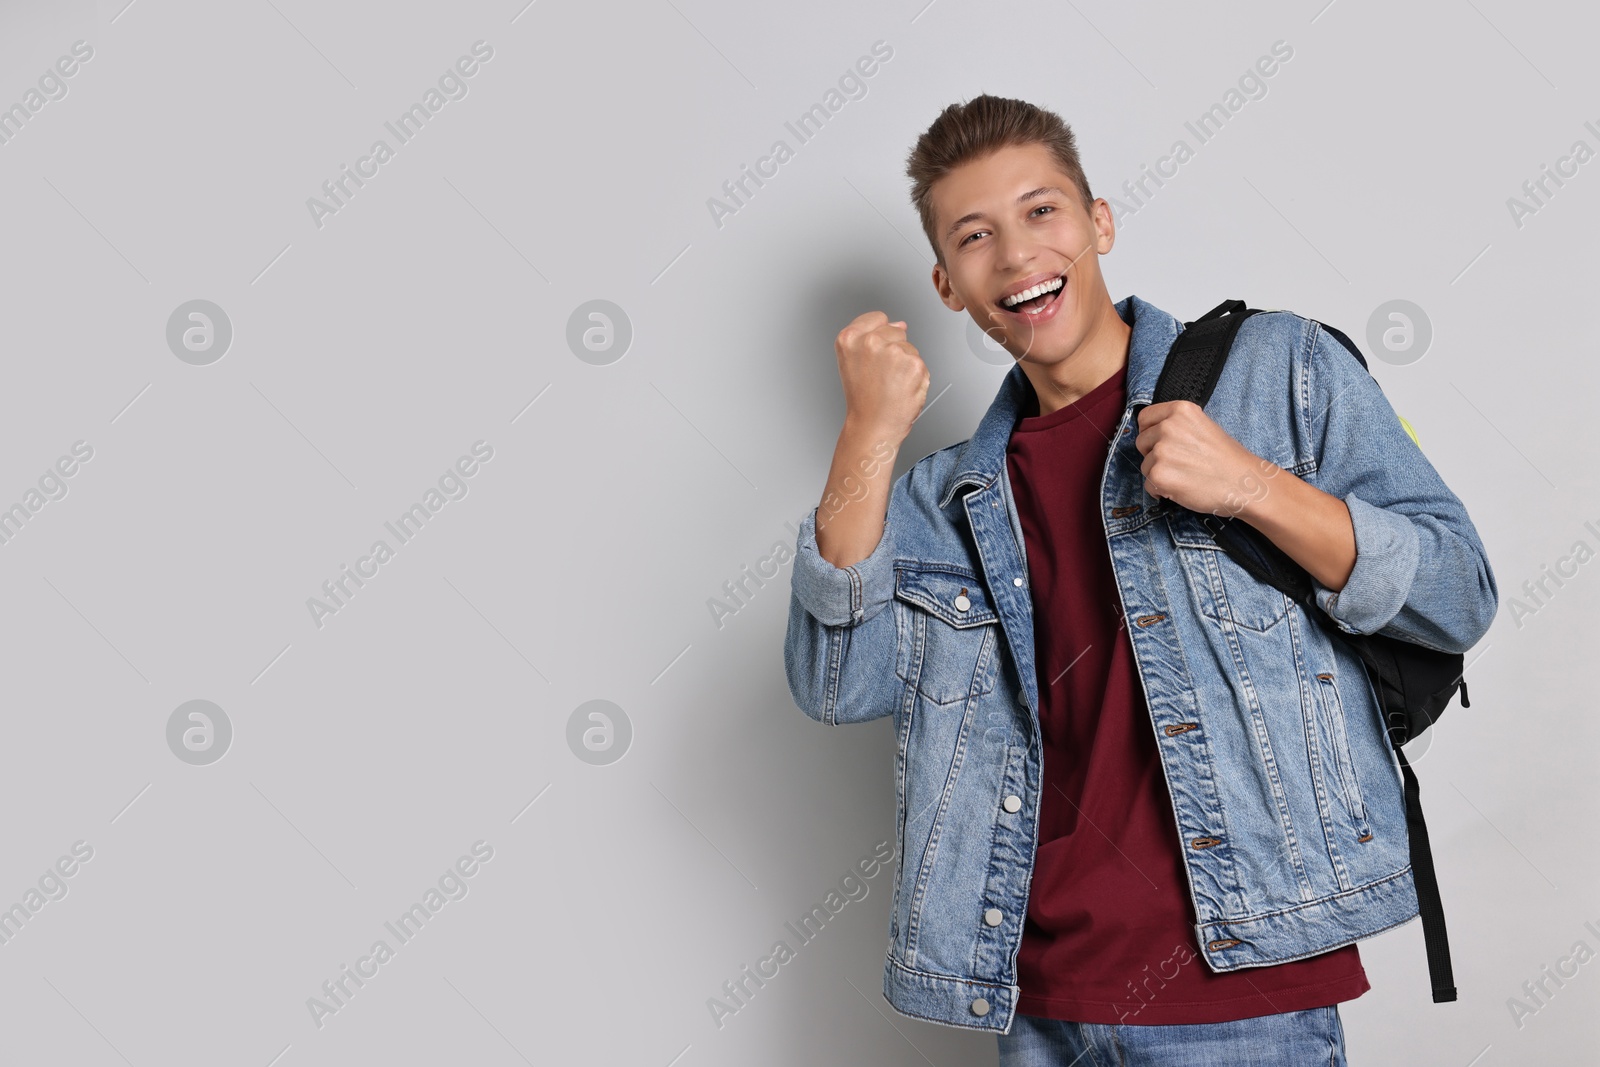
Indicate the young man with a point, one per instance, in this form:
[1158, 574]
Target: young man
[1146, 804]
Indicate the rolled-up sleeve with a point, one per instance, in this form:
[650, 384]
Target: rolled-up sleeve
[1386, 564]
[841, 596]
[1421, 572]
[840, 649]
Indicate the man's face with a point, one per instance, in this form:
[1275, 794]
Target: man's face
[1007, 222]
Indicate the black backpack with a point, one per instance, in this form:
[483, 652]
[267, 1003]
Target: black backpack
[1413, 683]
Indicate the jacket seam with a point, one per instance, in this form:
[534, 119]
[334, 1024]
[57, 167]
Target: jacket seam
[830, 696]
[1365, 887]
[1320, 951]
[1345, 759]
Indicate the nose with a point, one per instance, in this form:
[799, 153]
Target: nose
[1015, 248]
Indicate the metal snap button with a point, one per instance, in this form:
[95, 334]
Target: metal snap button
[1013, 803]
[993, 916]
[962, 603]
[1016, 581]
[980, 1007]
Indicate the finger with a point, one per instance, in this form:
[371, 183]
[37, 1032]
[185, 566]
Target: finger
[1144, 472]
[869, 320]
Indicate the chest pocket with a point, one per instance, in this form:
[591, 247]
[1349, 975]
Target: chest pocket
[1225, 591]
[946, 628]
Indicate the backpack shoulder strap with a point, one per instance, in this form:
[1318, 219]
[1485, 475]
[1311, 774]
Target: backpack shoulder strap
[1195, 360]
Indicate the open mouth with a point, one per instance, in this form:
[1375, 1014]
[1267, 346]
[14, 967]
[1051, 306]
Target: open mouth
[1042, 297]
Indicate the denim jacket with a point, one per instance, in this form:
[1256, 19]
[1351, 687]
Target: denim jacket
[1284, 788]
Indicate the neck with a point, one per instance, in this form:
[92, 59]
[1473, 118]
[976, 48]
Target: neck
[1102, 353]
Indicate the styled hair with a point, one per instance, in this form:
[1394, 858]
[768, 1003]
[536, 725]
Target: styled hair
[984, 124]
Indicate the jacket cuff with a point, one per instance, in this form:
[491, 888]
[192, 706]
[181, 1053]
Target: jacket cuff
[841, 596]
[1386, 564]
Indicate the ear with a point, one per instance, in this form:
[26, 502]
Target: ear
[941, 285]
[1105, 226]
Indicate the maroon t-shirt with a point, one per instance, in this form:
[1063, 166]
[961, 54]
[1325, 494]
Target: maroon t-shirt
[1109, 936]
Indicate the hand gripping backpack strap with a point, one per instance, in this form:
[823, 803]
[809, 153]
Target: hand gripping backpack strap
[1193, 366]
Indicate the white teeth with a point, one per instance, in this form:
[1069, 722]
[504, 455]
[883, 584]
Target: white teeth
[1028, 294]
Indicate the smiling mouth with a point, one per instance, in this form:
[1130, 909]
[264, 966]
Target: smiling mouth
[1034, 306]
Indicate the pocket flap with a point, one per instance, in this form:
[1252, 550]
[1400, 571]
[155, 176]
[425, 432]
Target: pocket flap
[940, 591]
[1189, 530]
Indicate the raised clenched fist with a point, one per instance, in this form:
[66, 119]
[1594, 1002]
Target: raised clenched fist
[885, 381]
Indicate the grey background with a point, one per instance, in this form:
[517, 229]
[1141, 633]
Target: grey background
[431, 312]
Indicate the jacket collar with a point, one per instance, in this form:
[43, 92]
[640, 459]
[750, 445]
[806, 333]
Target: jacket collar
[983, 456]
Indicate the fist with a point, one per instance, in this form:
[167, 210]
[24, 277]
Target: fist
[1195, 463]
[885, 381]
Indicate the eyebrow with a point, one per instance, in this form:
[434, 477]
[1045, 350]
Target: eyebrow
[1024, 198]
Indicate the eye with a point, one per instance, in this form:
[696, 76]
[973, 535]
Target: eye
[1031, 214]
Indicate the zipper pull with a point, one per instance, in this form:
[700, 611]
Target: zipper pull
[1464, 702]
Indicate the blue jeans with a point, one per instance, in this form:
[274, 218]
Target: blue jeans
[1310, 1038]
